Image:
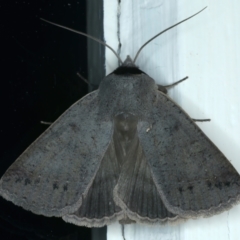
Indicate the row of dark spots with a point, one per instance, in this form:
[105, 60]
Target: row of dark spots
[26, 181]
[218, 185]
[56, 186]
[190, 188]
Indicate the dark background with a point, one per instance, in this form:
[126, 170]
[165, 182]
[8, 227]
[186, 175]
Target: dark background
[39, 63]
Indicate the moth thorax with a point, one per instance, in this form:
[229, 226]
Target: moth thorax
[133, 94]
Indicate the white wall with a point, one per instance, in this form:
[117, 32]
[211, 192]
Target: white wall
[205, 48]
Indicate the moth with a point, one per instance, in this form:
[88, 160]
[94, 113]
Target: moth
[125, 152]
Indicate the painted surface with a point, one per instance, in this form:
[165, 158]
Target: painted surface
[205, 48]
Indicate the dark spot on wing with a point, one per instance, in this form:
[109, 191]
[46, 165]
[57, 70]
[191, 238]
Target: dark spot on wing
[74, 127]
[55, 186]
[218, 185]
[27, 181]
[209, 184]
[37, 181]
[190, 188]
[227, 184]
[18, 180]
[65, 187]
[180, 189]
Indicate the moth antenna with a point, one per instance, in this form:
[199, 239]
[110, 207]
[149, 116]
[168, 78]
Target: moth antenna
[86, 35]
[164, 32]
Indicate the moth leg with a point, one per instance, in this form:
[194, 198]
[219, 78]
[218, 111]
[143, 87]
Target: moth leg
[201, 120]
[123, 232]
[164, 88]
[45, 123]
[173, 84]
[80, 76]
[93, 86]
[84, 79]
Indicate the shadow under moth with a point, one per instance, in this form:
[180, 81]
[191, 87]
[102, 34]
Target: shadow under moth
[125, 152]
